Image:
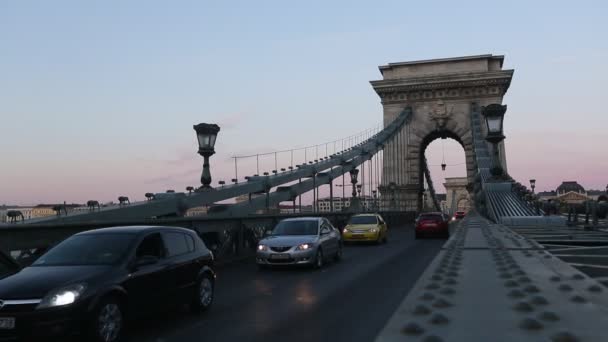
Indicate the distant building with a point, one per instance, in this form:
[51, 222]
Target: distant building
[43, 210]
[196, 211]
[341, 204]
[570, 192]
[457, 197]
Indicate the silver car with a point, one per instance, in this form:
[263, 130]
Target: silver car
[300, 241]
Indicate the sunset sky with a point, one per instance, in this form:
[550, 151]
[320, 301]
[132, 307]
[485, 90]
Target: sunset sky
[98, 98]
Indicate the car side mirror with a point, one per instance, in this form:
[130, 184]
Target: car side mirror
[145, 260]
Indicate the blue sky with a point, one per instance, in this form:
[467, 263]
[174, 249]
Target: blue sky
[98, 98]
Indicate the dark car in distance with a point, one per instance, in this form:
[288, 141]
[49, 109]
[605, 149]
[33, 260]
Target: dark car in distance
[432, 224]
[93, 282]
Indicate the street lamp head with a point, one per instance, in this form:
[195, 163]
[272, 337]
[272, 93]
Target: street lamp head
[206, 135]
[359, 186]
[494, 115]
[353, 175]
[532, 182]
[443, 165]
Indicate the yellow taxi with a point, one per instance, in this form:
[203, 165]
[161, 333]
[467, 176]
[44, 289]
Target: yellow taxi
[365, 227]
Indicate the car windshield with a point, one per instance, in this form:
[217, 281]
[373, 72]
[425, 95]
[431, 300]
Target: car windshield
[7, 266]
[363, 220]
[88, 249]
[303, 227]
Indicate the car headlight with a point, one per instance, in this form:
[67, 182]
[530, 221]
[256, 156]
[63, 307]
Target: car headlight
[63, 296]
[304, 247]
[262, 248]
[346, 230]
[374, 230]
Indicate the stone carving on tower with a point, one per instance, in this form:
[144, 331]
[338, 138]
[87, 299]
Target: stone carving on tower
[440, 114]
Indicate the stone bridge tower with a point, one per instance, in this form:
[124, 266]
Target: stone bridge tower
[441, 93]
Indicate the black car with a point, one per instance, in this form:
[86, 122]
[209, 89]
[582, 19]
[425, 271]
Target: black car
[92, 282]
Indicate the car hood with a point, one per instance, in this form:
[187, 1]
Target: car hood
[288, 240]
[361, 226]
[35, 282]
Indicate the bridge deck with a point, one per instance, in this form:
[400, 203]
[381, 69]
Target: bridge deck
[491, 284]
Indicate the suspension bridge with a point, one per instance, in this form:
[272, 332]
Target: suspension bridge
[508, 273]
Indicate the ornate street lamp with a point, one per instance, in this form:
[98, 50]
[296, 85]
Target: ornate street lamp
[353, 180]
[393, 188]
[494, 115]
[189, 189]
[359, 189]
[375, 196]
[206, 135]
[532, 184]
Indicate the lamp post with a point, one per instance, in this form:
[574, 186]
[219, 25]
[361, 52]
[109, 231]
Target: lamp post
[532, 184]
[494, 115]
[375, 195]
[353, 180]
[393, 188]
[206, 135]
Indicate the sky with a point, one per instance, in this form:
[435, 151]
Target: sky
[98, 98]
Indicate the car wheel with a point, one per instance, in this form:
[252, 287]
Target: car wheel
[385, 240]
[108, 321]
[319, 259]
[205, 291]
[338, 255]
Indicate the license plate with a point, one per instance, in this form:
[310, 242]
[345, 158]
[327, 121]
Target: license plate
[279, 256]
[357, 236]
[7, 323]
[430, 225]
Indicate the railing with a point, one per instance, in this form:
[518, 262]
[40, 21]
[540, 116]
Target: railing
[498, 200]
[315, 174]
[429, 181]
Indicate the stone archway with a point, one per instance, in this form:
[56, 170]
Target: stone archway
[441, 94]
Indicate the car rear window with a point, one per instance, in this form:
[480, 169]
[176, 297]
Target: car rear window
[363, 220]
[430, 217]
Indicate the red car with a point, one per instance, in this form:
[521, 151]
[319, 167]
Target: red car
[432, 224]
[459, 215]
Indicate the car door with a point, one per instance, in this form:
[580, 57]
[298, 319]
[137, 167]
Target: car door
[147, 284]
[329, 238]
[178, 264]
[382, 224]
